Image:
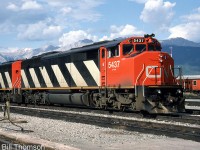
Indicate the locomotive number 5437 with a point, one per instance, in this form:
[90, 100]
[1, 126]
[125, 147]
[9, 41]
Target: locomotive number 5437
[113, 64]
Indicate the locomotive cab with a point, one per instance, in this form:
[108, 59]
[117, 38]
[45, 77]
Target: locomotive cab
[138, 65]
[120, 64]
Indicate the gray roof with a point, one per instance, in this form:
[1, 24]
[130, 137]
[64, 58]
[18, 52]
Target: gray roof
[191, 77]
[93, 46]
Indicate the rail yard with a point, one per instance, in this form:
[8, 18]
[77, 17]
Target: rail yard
[99, 75]
[123, 93]
[96, 129]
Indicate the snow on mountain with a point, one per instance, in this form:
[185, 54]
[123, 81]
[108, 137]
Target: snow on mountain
[185, 53]
[7, 54]
[2, 59]
[16, 54]
[76, 44]
[44, 49]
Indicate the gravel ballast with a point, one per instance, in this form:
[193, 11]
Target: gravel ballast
[86, 137]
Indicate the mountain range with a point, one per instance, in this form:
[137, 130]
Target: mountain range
[179, 42]
[186, 53]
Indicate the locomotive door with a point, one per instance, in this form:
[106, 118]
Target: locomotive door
[16, 75]
[16, 81]
[103, 66]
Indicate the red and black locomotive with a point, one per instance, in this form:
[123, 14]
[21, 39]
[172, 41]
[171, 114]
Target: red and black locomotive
[122, 74]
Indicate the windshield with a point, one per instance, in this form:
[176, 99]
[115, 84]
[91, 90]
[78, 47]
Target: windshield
[140, 47]
[158, 48]
[128, 49]
[153, 47]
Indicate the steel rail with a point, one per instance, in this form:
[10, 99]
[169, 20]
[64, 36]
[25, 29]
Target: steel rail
[177, 129]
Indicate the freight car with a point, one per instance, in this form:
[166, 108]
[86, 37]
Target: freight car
[122, 74]
[191, 83]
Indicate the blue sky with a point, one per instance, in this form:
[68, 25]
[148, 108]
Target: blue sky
[35, 23]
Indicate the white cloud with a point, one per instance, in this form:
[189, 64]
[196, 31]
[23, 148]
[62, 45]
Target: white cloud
[158, 13]
[139, 1]
[51, 30]
[74, 36]
[84, 10]
[193, 17]
[66, 10]
[30, 16]
[57, 3]
[189, 28]
[25, 5]
[30, 5]
[81, 10]
[6, 27]
[189, 31]
[122, 31]
[198, 9]
[39, 31]
[12, 7]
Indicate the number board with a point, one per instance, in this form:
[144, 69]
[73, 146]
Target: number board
[139, 40]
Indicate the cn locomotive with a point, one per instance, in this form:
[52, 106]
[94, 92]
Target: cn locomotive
[123, 74]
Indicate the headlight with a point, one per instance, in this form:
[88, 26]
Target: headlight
[179, 91]
[158, 91]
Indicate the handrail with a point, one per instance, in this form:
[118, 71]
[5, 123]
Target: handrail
[145, 80]
[179, 75]
[165, 72]
[17, 81]
[137, 80]
[172, 72]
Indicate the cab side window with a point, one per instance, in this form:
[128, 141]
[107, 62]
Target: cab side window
[113, 51]
[128, 49]
[140, 47]
[103, 53]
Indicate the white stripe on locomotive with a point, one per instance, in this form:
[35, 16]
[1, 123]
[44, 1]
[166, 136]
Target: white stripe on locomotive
[1, 81]
[94, 71]
[75, 74]
[34, 77]
[8, 79]
[45, 76]
[60, 78]
[24, 78]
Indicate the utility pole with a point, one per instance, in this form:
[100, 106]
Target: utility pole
[171, 50]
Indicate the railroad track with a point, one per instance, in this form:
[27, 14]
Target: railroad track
[192, 102]
[129, 121]
[177, 117]
[192, 106]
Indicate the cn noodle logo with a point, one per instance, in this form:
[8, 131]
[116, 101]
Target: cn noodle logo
[153, 72]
